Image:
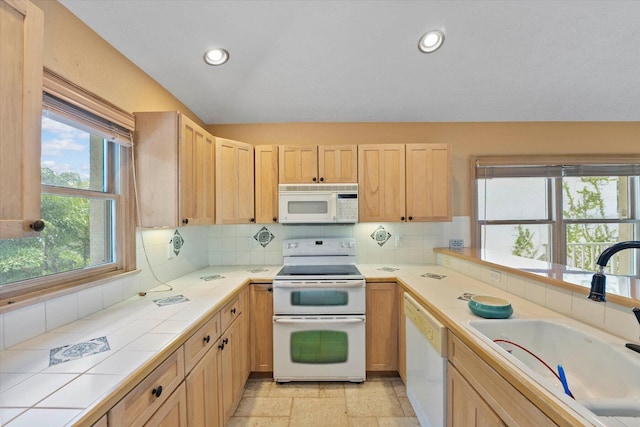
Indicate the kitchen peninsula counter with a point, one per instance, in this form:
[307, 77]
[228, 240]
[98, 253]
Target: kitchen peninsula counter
[144, 330]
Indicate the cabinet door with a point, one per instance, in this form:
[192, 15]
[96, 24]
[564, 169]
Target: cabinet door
[261, 328]
[173, 412]
[266, 170]
[230, 382]
[202, 391]
[465, 407]
[428, 182]
[298, 164]
[382, 327]
[381, 182]
[234, 182]
[21, 43]
[338, 163]
[197, 201]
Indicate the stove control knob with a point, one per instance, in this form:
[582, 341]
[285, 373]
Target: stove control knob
[292, 245]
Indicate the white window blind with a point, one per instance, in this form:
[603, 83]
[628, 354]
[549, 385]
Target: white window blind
[69, 103]
[492, 169]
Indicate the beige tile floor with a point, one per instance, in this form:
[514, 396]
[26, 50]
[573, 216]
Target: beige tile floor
[376, 402]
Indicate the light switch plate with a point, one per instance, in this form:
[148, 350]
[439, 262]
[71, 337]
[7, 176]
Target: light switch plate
[456, 244]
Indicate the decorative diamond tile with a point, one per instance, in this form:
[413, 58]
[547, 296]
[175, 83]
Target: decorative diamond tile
[466, 296]
[380, 235]
[174, 299]
[264, 237]
[256, 270]
[70, 352]
[433, 276]
[389, 269]
[212, 277]
[177, 241]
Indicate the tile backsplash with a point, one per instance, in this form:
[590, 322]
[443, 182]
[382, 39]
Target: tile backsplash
[251, 245]
[395, 243]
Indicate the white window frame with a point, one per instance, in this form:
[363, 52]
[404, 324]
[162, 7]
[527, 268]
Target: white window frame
[553, 168]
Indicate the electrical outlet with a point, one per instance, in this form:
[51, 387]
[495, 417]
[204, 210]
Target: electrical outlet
[494, 276]
[170, 253]
[249, 243]
[447, 261]
[398, 241]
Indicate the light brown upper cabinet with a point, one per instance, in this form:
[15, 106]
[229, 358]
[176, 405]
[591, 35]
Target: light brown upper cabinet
[404, 183]
[174, 170]
[266, 170]
[21, 43]
[323, 164]
[234, 182]
[428, 182]
[381, 182]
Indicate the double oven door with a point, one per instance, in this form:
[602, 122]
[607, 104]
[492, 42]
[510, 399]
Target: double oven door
[319, 330]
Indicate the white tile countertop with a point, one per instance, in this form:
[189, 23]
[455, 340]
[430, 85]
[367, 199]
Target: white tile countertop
[56, 378]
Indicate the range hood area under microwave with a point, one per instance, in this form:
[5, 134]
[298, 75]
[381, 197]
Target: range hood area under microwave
[318, 203]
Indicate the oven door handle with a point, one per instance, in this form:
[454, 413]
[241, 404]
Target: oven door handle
[319, 285]
[318, 321]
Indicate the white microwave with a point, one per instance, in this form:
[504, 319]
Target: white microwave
[318, 203]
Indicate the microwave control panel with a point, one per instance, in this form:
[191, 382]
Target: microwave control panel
[347, 207]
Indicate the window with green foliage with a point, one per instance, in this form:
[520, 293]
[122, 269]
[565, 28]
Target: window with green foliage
[557, 211]
[84, 204]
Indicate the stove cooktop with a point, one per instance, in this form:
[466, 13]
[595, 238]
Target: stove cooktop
[347, 271]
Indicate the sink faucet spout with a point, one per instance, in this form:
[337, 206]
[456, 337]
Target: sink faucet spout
[599, 280]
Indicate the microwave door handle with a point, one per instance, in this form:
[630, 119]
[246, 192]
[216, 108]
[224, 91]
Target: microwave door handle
[319, 321]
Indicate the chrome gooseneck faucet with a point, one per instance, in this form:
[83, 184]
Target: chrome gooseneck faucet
[599, 280]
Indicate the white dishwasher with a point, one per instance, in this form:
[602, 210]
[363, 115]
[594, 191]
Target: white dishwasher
[426, 342]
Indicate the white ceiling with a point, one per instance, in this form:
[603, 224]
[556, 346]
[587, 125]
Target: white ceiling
[357, 60]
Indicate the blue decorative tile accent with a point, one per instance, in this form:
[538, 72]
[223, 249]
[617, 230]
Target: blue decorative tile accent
[174, 299]
[264, 237]
[466, 296]
[256, 270]
[212, 277]
[70, 352]
[380, 235]
[177, 241]
[389, 269]
[433, 276]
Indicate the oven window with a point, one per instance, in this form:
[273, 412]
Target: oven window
[312, 297]
[308, 207]
[318, 347]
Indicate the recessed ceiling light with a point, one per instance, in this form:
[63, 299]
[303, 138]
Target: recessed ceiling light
[431, 41]
[217, 56]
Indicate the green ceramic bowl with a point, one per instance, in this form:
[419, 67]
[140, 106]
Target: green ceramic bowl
[490, 307]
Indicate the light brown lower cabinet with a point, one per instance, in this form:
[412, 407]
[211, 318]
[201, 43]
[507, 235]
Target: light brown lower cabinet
[173, 412]
[231, 380]
[382, 327]
[261, 327]
[465, 407]
[202, 390]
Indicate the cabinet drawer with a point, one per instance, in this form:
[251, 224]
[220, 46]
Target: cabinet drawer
[201, 342]
[145, 399]
[231, 311]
